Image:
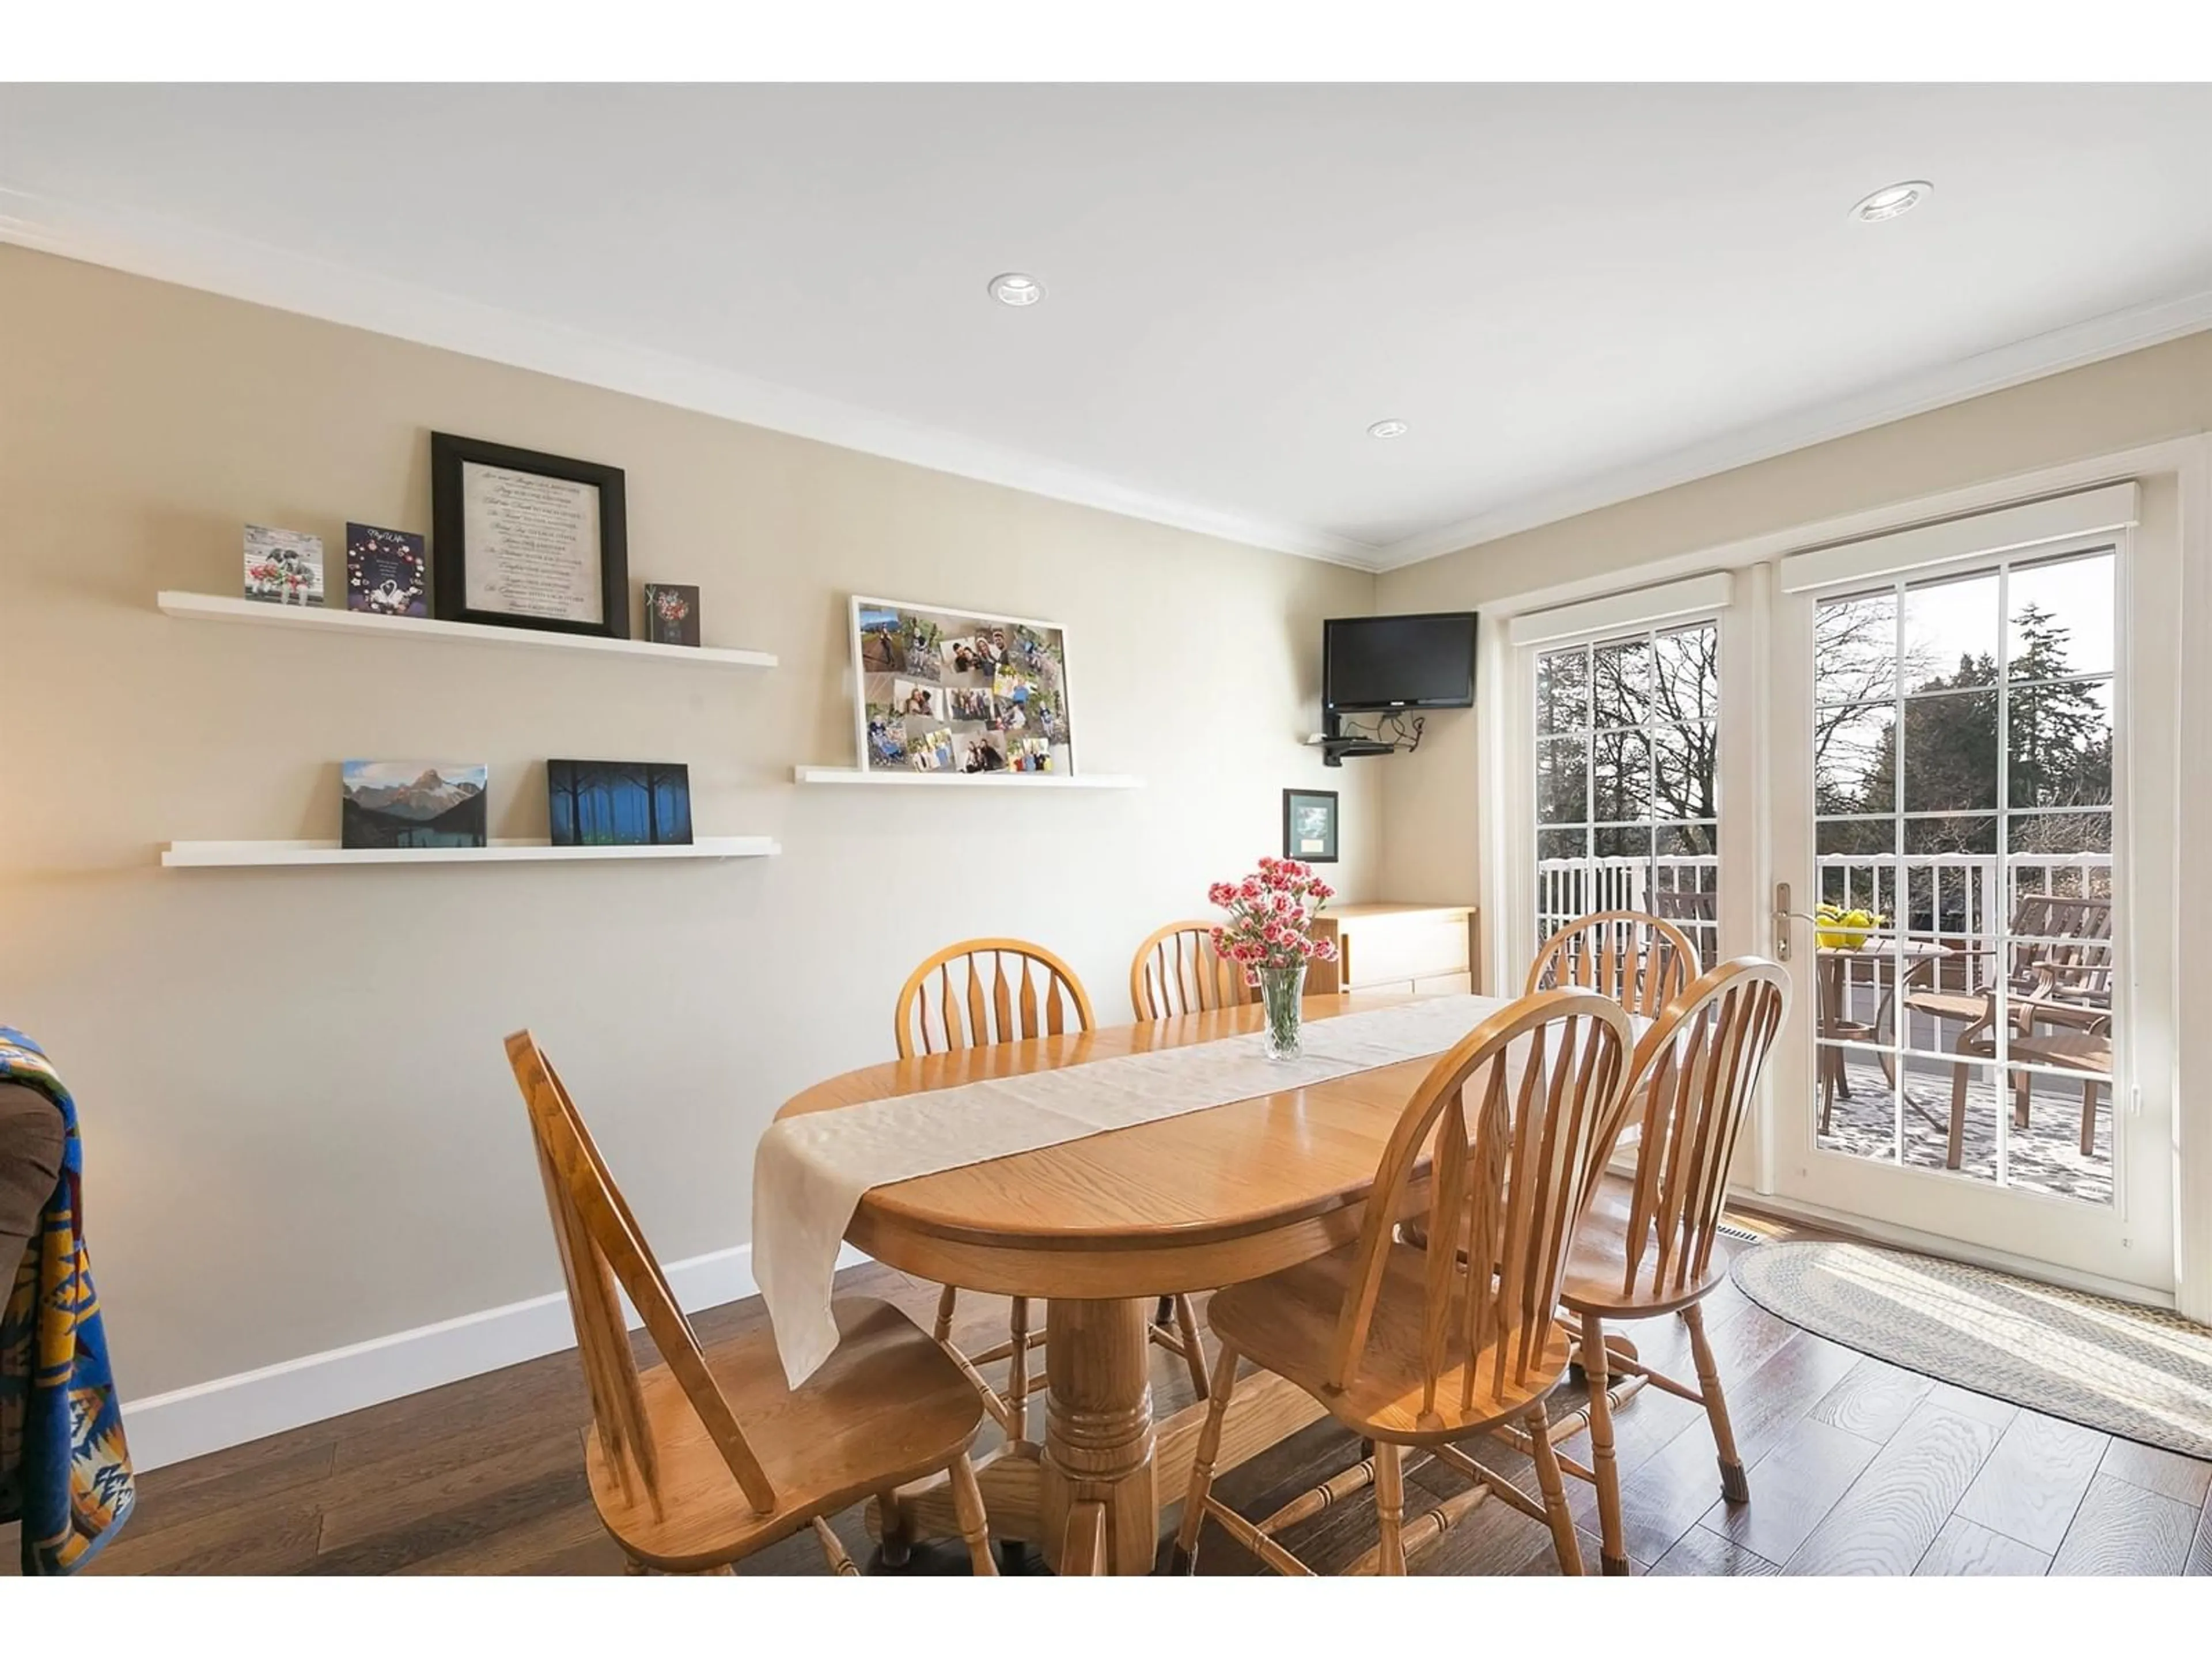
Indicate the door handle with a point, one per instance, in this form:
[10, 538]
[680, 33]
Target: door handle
[1784, 915]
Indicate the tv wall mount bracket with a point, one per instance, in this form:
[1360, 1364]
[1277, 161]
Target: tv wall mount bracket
[1392, 733]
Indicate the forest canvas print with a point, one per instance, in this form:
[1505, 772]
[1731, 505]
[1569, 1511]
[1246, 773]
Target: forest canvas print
[618, 803]
[394, 803]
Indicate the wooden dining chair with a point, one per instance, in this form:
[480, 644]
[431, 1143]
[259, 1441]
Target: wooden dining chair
[1641, 962]
[1648, 1250]
[674, 1474]
[986, 991]
[1405, 1344]
[977, 993]
[1178, 971]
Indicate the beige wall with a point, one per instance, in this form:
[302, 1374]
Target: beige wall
[1430, 804]
[299, 1128]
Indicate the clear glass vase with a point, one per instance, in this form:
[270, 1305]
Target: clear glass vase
[1282, 990]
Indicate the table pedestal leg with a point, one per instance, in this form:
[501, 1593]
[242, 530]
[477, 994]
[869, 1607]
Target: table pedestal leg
[1099, 1498]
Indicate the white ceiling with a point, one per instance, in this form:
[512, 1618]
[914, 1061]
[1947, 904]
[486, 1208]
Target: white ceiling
[1572, 293]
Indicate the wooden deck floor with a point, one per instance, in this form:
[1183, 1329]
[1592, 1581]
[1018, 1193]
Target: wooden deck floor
[1856, 1467]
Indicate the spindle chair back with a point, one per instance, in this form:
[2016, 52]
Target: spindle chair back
[1521, 1112]
[986, 991]
[1178, 971]
[1641, 962]
[1652, 1251]
[1419, 1347]
[1698, 1069]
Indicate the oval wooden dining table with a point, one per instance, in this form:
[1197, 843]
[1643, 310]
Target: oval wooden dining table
[1101, 1228]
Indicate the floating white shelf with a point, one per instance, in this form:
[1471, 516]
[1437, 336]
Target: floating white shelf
[204, 854]
[207, 607]
[971, 780]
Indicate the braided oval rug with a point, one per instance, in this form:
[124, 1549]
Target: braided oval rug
[2137, 1372]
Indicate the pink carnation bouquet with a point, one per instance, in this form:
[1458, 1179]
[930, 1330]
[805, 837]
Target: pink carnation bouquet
[1271, 915]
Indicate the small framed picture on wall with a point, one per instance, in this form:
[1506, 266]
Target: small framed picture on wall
[1309, 825]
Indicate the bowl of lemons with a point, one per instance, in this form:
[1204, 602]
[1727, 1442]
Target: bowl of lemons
[1838, 929]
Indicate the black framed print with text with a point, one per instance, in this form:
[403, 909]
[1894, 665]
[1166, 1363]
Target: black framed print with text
[1309, 825]
[527, 540]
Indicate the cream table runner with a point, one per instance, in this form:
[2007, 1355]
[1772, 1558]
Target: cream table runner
[809, 1171]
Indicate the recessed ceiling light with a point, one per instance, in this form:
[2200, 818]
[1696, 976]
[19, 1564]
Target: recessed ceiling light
[1892, 200]
[1015, 289]
[1388, 429]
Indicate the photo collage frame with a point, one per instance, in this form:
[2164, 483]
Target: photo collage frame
[959, 692]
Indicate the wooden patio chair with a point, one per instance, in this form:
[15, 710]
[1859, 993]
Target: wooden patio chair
[677, 1478]
[1406, 1346]
[2059, 975]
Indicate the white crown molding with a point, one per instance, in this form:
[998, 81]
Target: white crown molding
[2032, 359]
[150, 245]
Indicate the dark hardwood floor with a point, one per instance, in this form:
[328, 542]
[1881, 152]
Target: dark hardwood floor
[1856, 1467]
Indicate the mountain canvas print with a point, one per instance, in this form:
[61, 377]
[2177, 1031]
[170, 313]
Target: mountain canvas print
[412, 803]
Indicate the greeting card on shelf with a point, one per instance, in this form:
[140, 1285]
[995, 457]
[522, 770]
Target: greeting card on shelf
[387, 572]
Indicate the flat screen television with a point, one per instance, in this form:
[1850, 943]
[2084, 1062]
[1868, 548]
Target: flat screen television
[1398, 662]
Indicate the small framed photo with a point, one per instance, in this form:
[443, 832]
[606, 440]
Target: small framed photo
[1309, 825]
[527, 540]
[671, 613]
[283, 566]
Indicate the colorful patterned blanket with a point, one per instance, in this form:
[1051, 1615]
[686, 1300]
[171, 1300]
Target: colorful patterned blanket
[65, 1470]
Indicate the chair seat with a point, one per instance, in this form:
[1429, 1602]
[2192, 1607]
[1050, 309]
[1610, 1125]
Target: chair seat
[1972, 1007]
[2078, 1016]
[1287, 1323]
[2076, 1052]
[1598, 1266]
[889, 1406]
[1965, 1006]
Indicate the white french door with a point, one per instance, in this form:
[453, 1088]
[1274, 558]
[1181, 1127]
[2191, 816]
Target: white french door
[1950, 857]
[1962, 732]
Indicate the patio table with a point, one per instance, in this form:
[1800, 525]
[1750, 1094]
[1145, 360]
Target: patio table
[1835, 965]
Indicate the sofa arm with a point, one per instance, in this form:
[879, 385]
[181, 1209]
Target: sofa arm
[30, 1164]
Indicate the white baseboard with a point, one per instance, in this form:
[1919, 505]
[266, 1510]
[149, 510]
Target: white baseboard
[229, 1411]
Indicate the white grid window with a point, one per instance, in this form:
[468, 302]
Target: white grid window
[1627, 766]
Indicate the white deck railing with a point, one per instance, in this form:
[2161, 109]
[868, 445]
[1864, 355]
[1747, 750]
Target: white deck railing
[1952, 897]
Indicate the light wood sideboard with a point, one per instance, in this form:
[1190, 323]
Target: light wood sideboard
[1419, 949]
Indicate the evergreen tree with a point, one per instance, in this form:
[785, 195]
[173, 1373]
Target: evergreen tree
[2058, 748]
